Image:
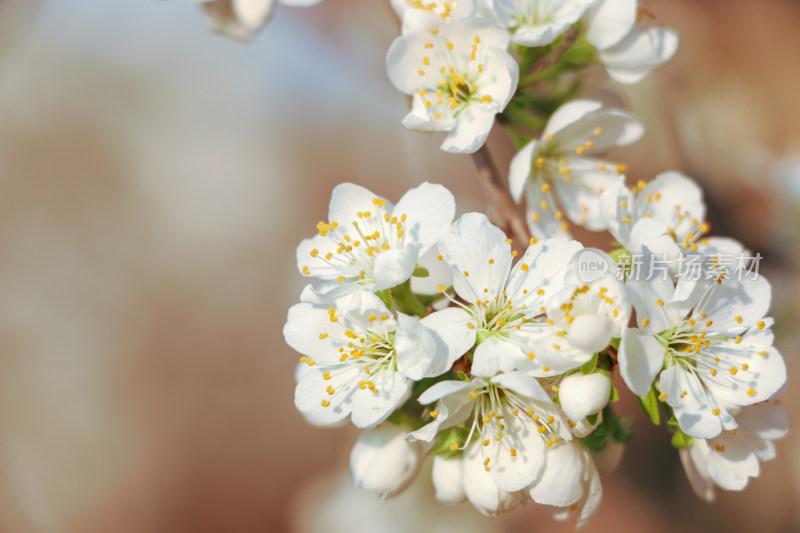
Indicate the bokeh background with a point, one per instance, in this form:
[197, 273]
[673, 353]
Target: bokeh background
[154, 181]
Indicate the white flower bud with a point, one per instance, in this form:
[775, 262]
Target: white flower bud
[383, 461]
[582, 395]
[447, 480]
[590, 332]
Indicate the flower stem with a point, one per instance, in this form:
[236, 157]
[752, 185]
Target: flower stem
[501, 209]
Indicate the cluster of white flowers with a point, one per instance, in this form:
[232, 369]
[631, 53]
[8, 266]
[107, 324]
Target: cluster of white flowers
[453, 58]
[503, 376]
[507, 386]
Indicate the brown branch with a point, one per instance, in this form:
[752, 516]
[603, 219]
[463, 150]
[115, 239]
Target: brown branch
[502, 210]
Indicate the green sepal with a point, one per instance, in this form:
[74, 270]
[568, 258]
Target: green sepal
[681, 439]
[420, 272]
[589, 366]
[579, 55]
[650, 405]
[386, 297]
[614, 396]
[463, 376]
[406, 301]
[612, 426]
[446, 438]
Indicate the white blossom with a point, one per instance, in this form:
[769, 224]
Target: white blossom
[730, 459]
[561, 164]
[359, 361]
[537, 22]
[629, 42]
[422, 15]
[715, 343]
[506, 304]
[368, 243]
[383, 461]
[513, 423]
[460, 75]
[240, 19]
[590, 312]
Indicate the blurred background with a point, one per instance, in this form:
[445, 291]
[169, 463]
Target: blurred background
[155, 179]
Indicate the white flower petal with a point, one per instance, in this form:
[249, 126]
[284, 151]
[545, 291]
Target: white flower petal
[370, 408]
[591, 333]
[416, 348]
[569, 113]
[641, 357]
[383, 461]
[472, 271]
[447, 480]
[545, 267]
[453, 336]
[520, 170]
[561, 483]
[642, 50]
[496, 354]
[429, 209]
[609, 21]
[470, 131]
[480, 488]
[581, 395]
[693, 409]
[310, 392]
[394, 266]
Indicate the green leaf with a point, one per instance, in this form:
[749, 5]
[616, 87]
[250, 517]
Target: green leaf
[681, 439]
[420, 272]
[445, 440]
[650, 405]
[589, 366]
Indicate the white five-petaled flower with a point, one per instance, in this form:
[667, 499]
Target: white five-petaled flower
[240, 19]
[515, 439]
[590, 310]
[666, 218]
[630, 44]
[561, 164]
[538, 22]
[733, 457]
[460, 75]
[714, 342]
[422, 15]
[506, 305]
[368, 243]
[359, 360]
[384, 461]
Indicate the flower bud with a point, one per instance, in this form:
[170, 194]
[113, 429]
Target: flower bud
[383, 461]
[447, 480]
[582, 395]
[590, 332]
